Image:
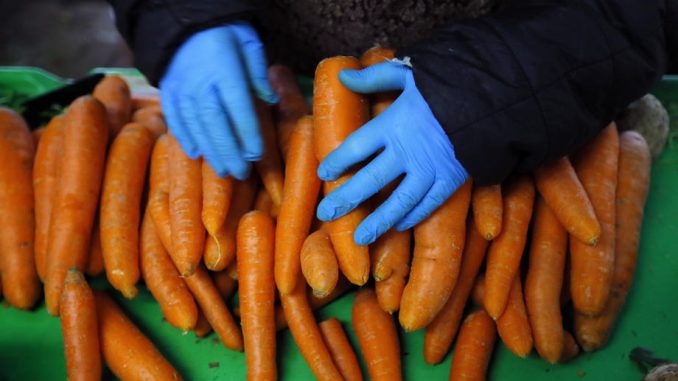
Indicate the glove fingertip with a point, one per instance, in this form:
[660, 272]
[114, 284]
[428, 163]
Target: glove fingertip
[363, 236]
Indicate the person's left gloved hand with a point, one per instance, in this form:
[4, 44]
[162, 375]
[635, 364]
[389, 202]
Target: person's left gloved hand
[413, 143]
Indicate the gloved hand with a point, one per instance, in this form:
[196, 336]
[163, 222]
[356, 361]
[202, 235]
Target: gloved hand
[413, 143]
[206, 98]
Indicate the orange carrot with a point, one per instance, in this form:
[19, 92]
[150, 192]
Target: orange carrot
[152, 119]
[77, 194]
[306, 333]
[113, 92]
[337, 113]
[478, 292]
[377, 335]
[559, 185]
[264, 203]
[185, 205]
[436, 261]
[224, 283]
[232, 269]
[202, 326]
[373, 56]
[139, 102]
[78, 313]
[291, 106]
[390, 290]
[36, 135]
[298, 208]
[120, 204]
[632, 187]
[220, 248]
[503, 258]
[128, 353]
[319, 263]
[487, 210]
[45, 177]
[545, 280]
[340, 349]
[214, 308]
[158, 197]
[163, 279]
[513, 325]
[474, 346]
[441, 331]
[95, 260]
[216, 199]
[269, 167]
[593, 266]
[570, 348]
[257, 293]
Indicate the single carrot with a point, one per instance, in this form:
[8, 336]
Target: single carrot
[113, 92]
[503, 258]
[95, 260]
[473, 350]
[45, 178]
[232, 269]
[300, 195]
[488, 210]
[158, 195]
[306, 333]
[340, 349]
[319, 263]
[185, 204]
[436, 262]
[377, 335]
[36, 135]
[78, 314]
[391, 255]
[558, 183]
[163, 280]
[632, 187]
[478, 292]
[152, 119]
[544, 282]
[441, 331]
[291, 106]
[593, 266]
[264, 203]
[257, 293]
[216, 199]
[214, 307]
[390, 290]
[513, 325]
[202, 326]
[138, 102]
[128, 353]
[220, 248]
[570, 348]
[120, 204]
[337, 113]
[77, 194]
[225, 284]
[269, 167]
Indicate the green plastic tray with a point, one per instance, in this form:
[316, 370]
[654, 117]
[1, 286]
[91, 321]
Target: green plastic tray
[31, 344]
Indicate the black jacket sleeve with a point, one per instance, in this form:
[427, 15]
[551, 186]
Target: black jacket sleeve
[539, 78]
[154, 29]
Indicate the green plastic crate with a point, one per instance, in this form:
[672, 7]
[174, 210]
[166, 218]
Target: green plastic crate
[31, 344]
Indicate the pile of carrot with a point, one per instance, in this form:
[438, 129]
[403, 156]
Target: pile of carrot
[107, 189]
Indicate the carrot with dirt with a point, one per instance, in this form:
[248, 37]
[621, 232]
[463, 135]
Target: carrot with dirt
[373, 56]
[593, 266]
[300, 195]
[79, 328]
[151, 118]
[340, 349]
[505, 252]
[441, 331]
[185, 207]
[632, 187]
[216, 199]
[158, 193]
[120, 206]
[473, 350]
[291, 106]
[163, 280]
[377, 335]
[319, 263]
[95, 260]
[438, 247]
[488, 210]
[214, 307]
[77, 194]
[45, 178]
[113, 92]
[128, 353]
[558, 183]
[269, 167]
[306, 333]
[544, 282]
[513, 325]
[220, 248]
[337, 113]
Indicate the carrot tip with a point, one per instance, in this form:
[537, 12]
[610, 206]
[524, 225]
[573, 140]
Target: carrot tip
[489, 236]
[130, 292]
[320, 293]
[593, 241]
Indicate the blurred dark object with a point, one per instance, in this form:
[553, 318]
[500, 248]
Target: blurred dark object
[66, 37]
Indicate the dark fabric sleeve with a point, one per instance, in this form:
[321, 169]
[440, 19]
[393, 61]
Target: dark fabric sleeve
[538, 78]
[154, 29]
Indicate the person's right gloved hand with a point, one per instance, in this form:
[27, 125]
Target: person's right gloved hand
[207, 101]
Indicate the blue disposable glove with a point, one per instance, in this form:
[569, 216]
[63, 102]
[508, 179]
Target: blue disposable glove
[207, 100]
[413, 143]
